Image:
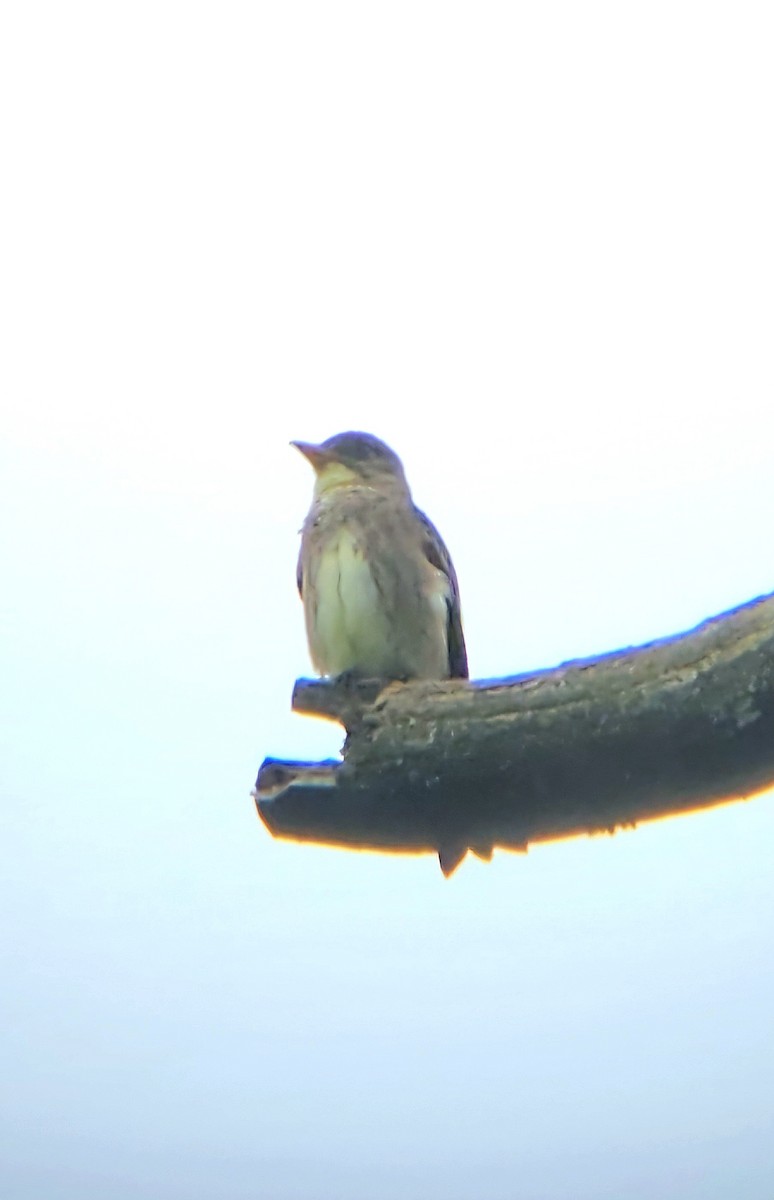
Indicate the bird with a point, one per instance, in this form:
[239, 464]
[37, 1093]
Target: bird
[380, 593]
[379, 589]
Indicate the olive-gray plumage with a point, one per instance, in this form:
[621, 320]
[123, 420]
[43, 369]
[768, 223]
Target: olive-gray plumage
[379, 589]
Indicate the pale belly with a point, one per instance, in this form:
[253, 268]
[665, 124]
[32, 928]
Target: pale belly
[352, 625]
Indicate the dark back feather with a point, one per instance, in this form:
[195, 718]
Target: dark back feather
[438, 555]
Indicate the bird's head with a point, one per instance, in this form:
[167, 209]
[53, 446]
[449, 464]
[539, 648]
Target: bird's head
[352, 459]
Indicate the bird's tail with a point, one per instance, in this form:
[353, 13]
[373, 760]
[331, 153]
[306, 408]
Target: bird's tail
[450, 857]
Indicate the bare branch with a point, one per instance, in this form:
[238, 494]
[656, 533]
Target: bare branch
[676, 725]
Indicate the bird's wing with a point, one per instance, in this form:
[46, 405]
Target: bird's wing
[300, 573]
[436, 553]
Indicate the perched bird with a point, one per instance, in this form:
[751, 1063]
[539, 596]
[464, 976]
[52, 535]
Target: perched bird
[379, 589]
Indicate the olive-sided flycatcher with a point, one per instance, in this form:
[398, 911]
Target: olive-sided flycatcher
[379, 589]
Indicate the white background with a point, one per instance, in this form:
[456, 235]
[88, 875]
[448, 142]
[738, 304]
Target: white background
[529, 245]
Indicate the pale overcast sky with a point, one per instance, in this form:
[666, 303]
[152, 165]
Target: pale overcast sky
[530, 246]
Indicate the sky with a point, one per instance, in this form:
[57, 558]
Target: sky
[530, 246]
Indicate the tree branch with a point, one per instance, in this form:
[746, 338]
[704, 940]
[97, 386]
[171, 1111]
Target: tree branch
[679, 724]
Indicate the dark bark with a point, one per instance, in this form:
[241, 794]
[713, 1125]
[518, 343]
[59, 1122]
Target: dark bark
[676, 725]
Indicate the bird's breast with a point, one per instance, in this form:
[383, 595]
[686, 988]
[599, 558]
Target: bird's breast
[348, 618]
[373, 607]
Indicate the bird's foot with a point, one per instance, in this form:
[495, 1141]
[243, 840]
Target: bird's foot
[356, 686]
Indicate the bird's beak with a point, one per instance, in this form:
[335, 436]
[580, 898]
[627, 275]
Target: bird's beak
[316, 455]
